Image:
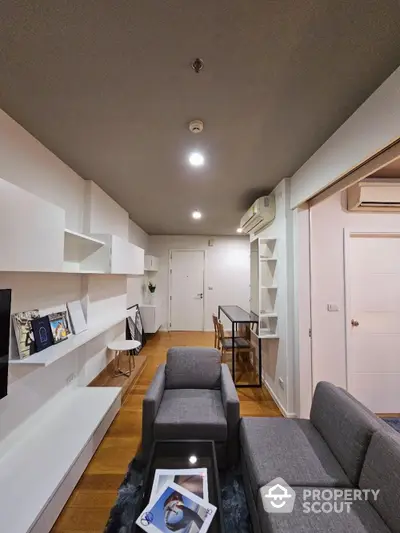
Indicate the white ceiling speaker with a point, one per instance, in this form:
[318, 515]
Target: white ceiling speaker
[196, 126]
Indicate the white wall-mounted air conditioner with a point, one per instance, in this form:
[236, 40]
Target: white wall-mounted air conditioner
[260, 214]
[374, 194]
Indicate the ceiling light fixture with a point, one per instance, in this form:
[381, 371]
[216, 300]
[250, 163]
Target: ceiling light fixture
[196, 159]
[196, 214]
[239, 230]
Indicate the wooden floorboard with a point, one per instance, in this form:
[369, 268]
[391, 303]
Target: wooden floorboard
[88, 508]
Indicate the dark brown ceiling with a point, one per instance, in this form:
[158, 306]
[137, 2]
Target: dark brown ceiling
[106, 85]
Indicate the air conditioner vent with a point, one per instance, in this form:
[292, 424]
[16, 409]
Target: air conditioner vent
[374, 194]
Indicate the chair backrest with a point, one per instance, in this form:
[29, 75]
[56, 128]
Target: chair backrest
[221, 331]
[191, 367]
[215, 322]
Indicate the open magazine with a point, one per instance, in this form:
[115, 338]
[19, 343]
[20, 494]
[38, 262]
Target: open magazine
[176, 509]
[192, 479]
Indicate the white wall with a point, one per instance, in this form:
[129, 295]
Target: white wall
[369, 130]
[227, 271]
[136, 284]
[328, 221]
[278, 354]
[28, 164]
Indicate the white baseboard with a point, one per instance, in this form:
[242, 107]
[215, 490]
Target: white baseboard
[277, 401]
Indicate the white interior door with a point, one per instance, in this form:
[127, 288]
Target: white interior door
[373, 320]
[187, 290]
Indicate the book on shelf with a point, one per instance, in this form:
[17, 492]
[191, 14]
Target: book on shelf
[59, 326]
[77, 318]
[42, 333]
[22, 322]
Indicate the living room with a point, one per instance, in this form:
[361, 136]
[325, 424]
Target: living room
[188, 228]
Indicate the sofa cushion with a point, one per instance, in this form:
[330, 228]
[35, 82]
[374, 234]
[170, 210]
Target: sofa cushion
[362, 518]
[381, 470]
[345, 426]
[191, 367]
[291, 449]
[191, 414]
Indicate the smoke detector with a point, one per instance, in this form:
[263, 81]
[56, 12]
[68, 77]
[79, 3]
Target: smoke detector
[196, 126]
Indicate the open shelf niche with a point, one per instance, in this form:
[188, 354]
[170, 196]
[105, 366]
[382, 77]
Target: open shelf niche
[264, 288]
[78, 251]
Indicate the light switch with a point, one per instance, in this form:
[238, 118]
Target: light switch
[332, 307]
[210, 288]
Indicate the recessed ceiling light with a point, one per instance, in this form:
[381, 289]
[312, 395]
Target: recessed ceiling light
[196, 159]
[193, 459]
[196, 214]
[239, 230]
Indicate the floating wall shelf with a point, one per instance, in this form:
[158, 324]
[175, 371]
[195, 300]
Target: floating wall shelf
[55, 352]
[78, 247]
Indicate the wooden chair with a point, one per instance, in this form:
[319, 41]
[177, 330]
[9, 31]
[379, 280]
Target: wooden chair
[216, 334]
[242, 345]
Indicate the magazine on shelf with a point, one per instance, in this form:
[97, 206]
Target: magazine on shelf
[191, 479]
[23, 332]
[42, 333]
[176, 509]
[59, 326]
[77, 318]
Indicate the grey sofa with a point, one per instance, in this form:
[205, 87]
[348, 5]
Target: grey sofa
[192, 396]
[343, 445]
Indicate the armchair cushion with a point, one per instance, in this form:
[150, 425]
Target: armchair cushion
[189, 367]
[191, 414]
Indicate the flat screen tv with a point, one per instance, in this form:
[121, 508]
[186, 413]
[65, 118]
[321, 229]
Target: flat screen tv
[5, 309]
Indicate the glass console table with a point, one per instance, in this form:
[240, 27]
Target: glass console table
[239, 317]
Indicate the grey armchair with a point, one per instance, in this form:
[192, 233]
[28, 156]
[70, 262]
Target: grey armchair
[192, 397]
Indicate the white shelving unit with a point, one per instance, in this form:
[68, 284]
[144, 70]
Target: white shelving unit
[151, 263]
[55, 352]
[49, 453]
[117, 256]
[264, 288]
[78, 248]
[151, 316]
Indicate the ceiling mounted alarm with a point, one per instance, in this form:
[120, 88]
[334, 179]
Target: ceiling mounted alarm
[196, 126]
[197, 65]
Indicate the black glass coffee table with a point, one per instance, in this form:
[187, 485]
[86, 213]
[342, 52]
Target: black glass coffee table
[176, 455]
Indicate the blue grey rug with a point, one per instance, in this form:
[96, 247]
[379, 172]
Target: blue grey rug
[394, 422]
[127, 506]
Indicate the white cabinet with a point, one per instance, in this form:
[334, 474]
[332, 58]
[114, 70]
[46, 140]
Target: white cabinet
[151, 317]
[32, 232]
[118, 256]
[151, 263]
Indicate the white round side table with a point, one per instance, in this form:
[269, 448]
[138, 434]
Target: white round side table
[123, 347]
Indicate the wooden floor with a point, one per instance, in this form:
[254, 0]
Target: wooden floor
[88, 507]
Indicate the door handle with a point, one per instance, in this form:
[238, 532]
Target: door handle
[354, 323]
[200, 295]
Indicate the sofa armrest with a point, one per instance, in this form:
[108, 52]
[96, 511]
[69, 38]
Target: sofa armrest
[230, 398]
[151, 404]
[230, 401]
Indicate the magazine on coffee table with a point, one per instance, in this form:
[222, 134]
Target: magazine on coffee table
[192, 479]
[176, 509]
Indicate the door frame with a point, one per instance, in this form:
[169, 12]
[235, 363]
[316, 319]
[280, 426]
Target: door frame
[348, 234]
[170, 252]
